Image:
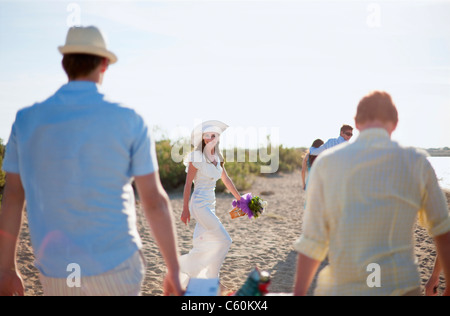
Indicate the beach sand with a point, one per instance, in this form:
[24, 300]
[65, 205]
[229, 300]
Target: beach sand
[265, 242]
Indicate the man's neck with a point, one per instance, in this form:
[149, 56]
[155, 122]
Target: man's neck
[388, 126]
[95, 77]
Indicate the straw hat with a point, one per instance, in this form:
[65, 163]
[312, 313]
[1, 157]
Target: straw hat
[206, 127]
[86, 40]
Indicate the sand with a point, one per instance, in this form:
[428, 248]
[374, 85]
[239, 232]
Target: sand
[265, 242]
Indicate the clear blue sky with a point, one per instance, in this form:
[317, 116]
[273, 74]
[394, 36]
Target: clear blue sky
[295, 67]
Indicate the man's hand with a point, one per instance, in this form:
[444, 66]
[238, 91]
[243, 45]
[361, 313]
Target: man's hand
[172, 286]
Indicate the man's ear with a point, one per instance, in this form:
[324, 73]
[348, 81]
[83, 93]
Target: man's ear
[393, 127]
[104, 65]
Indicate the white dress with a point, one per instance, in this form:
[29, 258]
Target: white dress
[211, 241]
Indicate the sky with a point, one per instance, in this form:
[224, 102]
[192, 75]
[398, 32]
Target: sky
[294, 70]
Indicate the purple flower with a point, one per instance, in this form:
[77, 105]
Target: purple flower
[243, 204]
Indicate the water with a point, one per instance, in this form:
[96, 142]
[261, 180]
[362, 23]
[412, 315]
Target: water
[442, 167]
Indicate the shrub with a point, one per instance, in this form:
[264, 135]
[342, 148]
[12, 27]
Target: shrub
[173, 174]
[291, 159]
[242, 174]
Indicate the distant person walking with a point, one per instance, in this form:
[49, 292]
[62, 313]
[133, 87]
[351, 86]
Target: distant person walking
[363, 202]
[73, 158]
[346, 134]
[308, 161]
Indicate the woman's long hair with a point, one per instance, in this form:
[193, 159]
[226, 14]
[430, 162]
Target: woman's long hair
[316, 144]
[216, 149]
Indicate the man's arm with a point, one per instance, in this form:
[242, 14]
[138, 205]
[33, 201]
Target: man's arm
[443, 250]
[10, 223]
[433, 281]
[330, 143]
[158, 212]
[435, 216]
[306, 270]
[313, 245]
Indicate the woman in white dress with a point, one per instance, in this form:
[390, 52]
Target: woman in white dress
[205, 166]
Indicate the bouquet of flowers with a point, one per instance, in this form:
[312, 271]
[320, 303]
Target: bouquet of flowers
[252, 206]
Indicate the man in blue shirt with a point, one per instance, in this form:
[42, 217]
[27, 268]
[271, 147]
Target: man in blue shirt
[73, 158]
[345, 135]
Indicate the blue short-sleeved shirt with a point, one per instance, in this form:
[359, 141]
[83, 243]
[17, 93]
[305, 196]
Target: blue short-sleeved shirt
[76, 154]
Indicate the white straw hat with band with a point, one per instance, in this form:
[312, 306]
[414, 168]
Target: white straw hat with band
[206, 127]
[87, 40]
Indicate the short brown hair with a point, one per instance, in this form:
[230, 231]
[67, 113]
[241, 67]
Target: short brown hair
[377, 105]
[346, 128]
[80, 65]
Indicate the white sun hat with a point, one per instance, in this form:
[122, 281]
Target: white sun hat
[206, 127]
[87, 40]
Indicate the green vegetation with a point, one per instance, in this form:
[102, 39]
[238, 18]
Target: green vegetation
[439, 152]
[172, 174]
[242, 165]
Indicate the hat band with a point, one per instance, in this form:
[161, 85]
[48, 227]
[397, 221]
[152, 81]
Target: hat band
[90, 50]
